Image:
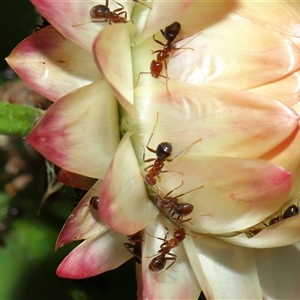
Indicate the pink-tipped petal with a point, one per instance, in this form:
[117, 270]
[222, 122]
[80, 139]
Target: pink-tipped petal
[95, 256]
[52, 64]
[75, 180]
[160, 285]
[113, 56]
[72, 132]
[83, 222]
[234, 265]
[226, 124]
[76, 23]
[269, 55]
[279, 272]
[236, 194]
[287, 155]
[124, 204]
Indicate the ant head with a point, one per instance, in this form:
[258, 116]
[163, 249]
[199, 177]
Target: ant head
[172, 31]
[164, 150]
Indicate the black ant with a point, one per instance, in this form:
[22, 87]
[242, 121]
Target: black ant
[170, 33]
[135, 245]
[291, 211]
[182, 209]
[142, 3]
[163, 152]
[159, 262]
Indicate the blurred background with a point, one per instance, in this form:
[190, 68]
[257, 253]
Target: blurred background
[28, 261]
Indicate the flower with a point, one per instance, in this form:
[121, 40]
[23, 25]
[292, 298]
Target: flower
[231, 105]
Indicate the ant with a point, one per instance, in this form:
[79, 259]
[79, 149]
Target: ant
[159, 261]
[182, 209]
[135, 245]
[291, 211]
[102, 13]
[142, 3]
[170, 33]
[163, 152]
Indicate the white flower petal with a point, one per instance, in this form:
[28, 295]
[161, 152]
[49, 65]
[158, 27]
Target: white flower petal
[230, 270]
[124, 204]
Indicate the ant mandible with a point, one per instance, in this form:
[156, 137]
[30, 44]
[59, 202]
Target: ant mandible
[163, 152]
[170, 33]
[135, 245]
[103, 12]
[158, 263]
[182, 209]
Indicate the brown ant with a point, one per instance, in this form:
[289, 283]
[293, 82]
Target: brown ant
[182, 209]
[170, 33]
[163, 152]
[159, 261]
[135, 245]
[291, 211]
[102, 13]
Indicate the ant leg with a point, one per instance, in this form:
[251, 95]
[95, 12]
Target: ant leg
[118, 9]
[199, 187]
[157, 41]
[142, 3]
[186, 148]
[125, 14]
[169, 258]
[139, 78]
[151, 135]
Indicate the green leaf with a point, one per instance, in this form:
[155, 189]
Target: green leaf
[18, 119]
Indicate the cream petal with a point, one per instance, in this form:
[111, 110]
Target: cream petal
[76, 23]
[124, 204]
[261, 58]
[84, 222]
[279, 272]
[113, 56]
[234, 265]
[282, 16]
[95, 256]
[177, 282]
[283, 233]
[285, 89]
[72, 132]
[157, 19]
[225, 124]
[52, 64]
[236, 194]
